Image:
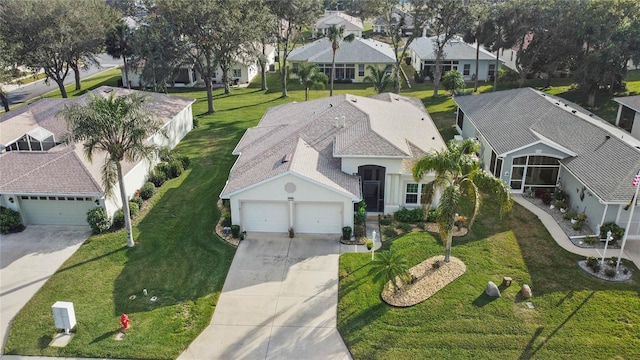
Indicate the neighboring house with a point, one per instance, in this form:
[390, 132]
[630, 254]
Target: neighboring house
[352, 25]
[352, 58]
[629, 114]
[52, 183]
[306, 164]
[242, 72]
[458, 55]
[381, 25]
[533, 140]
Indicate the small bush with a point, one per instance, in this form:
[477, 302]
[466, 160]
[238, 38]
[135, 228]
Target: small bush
[138, 200]
[346, 233]
[166, 155]
[421, 225]
[610, 272]
[118, 220]
[404, 227]
[436, 264]
[569, 215]
[590, 240]
[617, 232]
[196, 122]
[186, 162]
[98, 220]
[431, 216]
[596, 268]
[133, 208]
[613, 261]
[361, 213]
[546, 198]
[592, 261]
[409, 216]
[147, 190]
[389, 232]
[577, 225]
[226, 220]
[358, 231]
[175, 169]
[157, 178]
[235, 231]
[10, 221]
[163, 167]
[385, 220]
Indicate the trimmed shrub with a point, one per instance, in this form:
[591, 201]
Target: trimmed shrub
[98, 220]
[186, 162]
[226, 220]
[389, 232]
[133, 208]
[610, 272]
[163, 167]
[404, 227]
[147, 190]
[157, 178]
[409, 216]
[346, 233]
[166, 155]
[590, 240]
[118, 220]
[10, 221]
[235, 231]
[592, 261]
[138, 200]
[617, 232]
[175, 169]
[385, 220]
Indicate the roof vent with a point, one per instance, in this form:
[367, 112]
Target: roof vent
[354, 99]
[557, 103]
[107, 90]
[422, 119]
[397, 98]
[607, 137]
[573, 111]
[286, 158]
[330, 105]
[591, 115]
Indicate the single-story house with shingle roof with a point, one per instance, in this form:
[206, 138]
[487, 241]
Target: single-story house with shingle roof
[381, 25]
[52, 183]
[352, 58]
[533, 140]
[351, 24]
[628, 117]
[306, 164]
[458, 55]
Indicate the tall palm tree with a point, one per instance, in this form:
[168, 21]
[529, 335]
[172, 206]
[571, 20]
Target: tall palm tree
[458, 175]
[477, 32]
[379, 78]
[117, 44]
[391, 266]
[116, 127]
[311, 77]
[335, 35]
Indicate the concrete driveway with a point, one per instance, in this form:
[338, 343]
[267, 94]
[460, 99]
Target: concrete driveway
[279, 301]
[28, 259]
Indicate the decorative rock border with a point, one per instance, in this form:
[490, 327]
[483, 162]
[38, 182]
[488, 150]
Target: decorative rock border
[219, 232]
[429, 280]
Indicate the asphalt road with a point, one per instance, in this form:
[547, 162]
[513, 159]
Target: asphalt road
[38, 88]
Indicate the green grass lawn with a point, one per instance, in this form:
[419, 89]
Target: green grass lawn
[575, 316]
[179, 259]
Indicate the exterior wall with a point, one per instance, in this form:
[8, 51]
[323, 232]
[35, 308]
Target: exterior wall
[357, 78]
[306, 191]
[483, 66]
[350, 164]
[590, 204]
[176, 129]
[622, 218]
[635, 129]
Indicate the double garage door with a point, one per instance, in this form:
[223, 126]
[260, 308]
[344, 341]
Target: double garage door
[56, 210]
[308, 218]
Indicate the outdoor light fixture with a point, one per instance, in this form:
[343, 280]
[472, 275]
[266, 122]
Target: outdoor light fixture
[11, 200]
[97, 202]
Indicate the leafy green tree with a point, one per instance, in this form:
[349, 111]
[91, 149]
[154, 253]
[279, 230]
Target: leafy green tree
[336, 36]
[458, 175]
[391, 266]
[293, 16]
[452, 81]
[5, 75]
[118, 45]
[379, 78]
[118, 127]
[311, 77]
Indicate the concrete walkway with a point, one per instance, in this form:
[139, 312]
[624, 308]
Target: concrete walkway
[279, 301]
[632, 248]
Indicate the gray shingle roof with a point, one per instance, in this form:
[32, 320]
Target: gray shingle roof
[605, 161]
[455, 49]
[316, 135]
[632, 102]
[339, 19]
[360, 51]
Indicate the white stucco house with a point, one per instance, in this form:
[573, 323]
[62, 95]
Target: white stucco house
[628, 117]
[458, 55]
[533, 140]
[352, 58]
[351, 24]
[306, 164]
[52, 183]
[381, 25]
[242, 72]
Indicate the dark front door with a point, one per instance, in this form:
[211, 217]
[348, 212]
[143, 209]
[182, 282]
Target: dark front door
[372, 177]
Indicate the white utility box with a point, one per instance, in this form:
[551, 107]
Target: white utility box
[64, 315]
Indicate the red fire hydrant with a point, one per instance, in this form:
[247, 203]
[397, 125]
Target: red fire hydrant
[124, 320]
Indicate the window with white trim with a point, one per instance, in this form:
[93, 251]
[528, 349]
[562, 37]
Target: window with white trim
[360, 69]
[466, 70]
[237, 73]
[414, 193]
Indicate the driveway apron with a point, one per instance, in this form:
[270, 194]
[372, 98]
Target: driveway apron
[279, 301]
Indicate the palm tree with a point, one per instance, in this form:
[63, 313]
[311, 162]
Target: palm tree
[477, 33]
[117, 45]
[116, 128]
[458, 175]
[379, 78]
[391, 266]
[311, 77]
[335, 35]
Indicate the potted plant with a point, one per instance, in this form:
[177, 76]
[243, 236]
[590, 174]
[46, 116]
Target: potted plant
[559, 204]
[570, 214]
[370, 244]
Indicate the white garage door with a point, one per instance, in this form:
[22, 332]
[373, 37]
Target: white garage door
[265, 216]
[318, 218]
[56, 210]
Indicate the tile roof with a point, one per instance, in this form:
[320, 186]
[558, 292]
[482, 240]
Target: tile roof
[62, 169]
[339, 19]
[632, 102]
[317, 133]
[606, 158]
[455, 49]
[361, 51]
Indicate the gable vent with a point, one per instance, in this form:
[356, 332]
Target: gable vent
[286, 158]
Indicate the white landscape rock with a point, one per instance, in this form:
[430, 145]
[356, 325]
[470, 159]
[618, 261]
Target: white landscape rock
[492, 289]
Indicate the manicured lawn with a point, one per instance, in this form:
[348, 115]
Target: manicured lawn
[575, 315]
